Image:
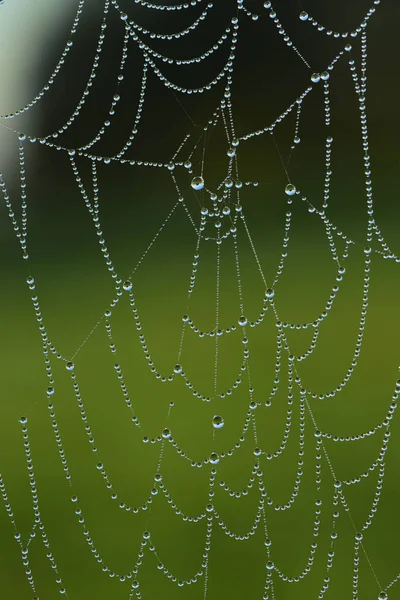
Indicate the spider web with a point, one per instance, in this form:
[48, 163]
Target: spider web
[215, 211]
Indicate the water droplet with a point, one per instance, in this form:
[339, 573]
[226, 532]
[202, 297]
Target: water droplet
[23, 420]
[135, 584]
[228, 182]
[70, 366]
[146, 535]
[270, 565]
[231, 152]
[297, 140]
[269, 293]
[348, 47]
[214, 458]
[74, 498]
[383, 596]
[50, 391]
[30, 280]
[187, 164]
[218, 422]
[359, 537]
[226, 210]
[22, 137]
[197, 183]
[166, 433]
[178, 369]
[242, 321]
[315, 77]
[325, 76]
[127, 285]
[303, 16]
[290, 189]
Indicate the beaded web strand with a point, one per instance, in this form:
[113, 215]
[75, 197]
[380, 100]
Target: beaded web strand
[219, 220]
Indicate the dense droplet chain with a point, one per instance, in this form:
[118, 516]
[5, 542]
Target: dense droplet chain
[279, 119]
[37, 514]
[331, 553]
[314, 545]
[283, 33]
[180, 61]
[223, 331]
[370, 469]
[116, 98]
[89, 84]
[24, 546]
[201, 89]
[296, 137]
[166, 434]
[168, 7]
[360, 335]
[21, 235]
[24, 218]
[56, 70]
[94, 211]
[239, 494]
[338, 487]
[284, 253]
[217, 318]
[304, 16]
[162, 36]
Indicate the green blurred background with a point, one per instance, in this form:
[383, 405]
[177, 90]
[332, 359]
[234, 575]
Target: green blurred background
[74, 288]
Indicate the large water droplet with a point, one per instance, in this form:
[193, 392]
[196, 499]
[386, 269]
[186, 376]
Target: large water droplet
[218, 422]
[197, 183]
[214, 458]
[290, 189]
[269, 293]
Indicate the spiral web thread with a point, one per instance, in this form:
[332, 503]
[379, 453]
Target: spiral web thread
[228, 220]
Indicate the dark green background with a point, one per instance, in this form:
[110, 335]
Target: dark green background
[74, 289]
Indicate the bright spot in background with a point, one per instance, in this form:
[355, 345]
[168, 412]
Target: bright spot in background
[27, 30]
